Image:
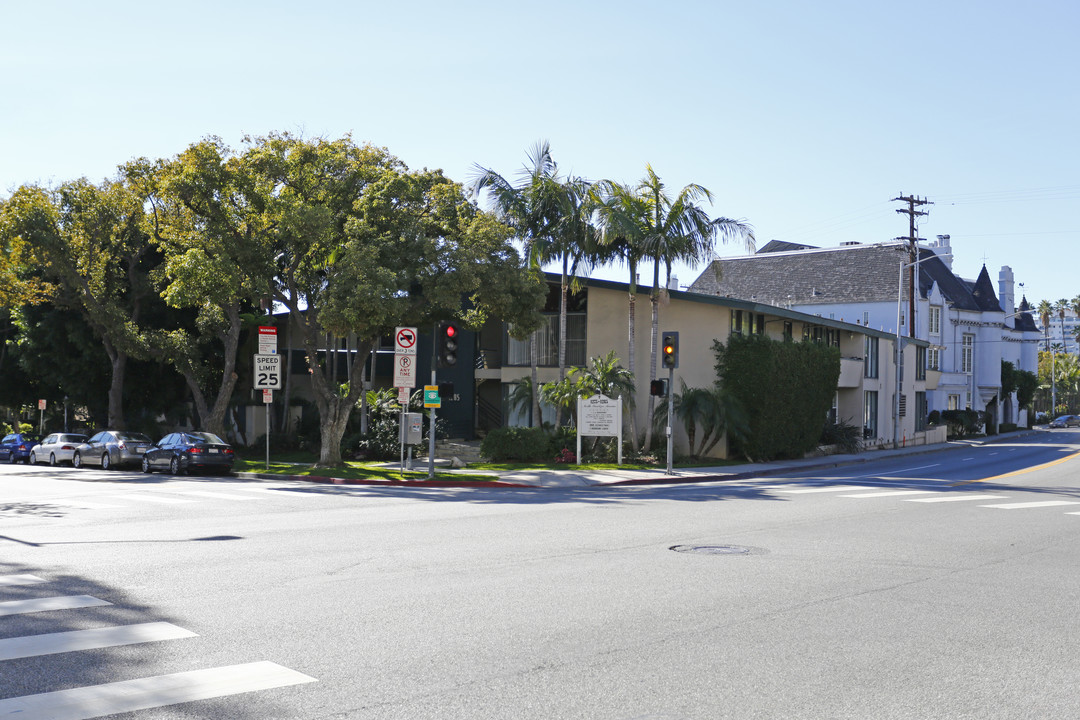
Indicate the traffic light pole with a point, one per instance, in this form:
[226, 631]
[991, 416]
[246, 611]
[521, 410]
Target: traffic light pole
[431, 417]
[670, 409]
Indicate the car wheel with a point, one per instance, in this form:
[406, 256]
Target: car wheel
[174, 466]
[106, 462]
[33, 458]
[76, 460]
[11, 458]
[146, 464]
[52, 459]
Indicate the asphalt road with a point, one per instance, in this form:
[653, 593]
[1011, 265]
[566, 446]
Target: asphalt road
[941, 585]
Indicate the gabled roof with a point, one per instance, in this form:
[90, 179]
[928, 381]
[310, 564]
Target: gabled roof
[781, 246]
[848, 274]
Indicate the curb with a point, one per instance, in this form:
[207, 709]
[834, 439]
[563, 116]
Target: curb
[326, 480]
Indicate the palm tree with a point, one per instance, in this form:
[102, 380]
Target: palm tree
[713, 410]
[531, 207]
[667, 229]
[1061, 306]
[620, 215]
[1044, 310]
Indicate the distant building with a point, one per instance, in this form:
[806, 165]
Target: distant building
[969, 327]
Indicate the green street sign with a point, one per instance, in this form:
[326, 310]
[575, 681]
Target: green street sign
[431, 396]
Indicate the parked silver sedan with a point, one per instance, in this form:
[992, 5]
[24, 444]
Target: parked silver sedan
[111, 449]
[56, 448]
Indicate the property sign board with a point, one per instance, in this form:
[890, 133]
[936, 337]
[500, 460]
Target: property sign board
[431, 396]
[267, 372]
[599, 415]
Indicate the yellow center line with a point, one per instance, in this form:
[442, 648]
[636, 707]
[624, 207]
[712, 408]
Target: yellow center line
[1019, 472]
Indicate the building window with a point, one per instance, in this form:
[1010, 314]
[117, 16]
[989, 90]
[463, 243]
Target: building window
[833, 409]
[870, 358]
[921, 411]
[870, 425]
[933, 359]
[788, 330]
[866, 318]
[954, 402]
[736, 322]
[920, 363]
[935, 320]
[547, 343]
[967, 350]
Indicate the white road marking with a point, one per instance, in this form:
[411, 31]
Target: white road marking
[208, 494]
[151, 692]
[155, 499]
[69, 602]
[88, 505]
[959, 498]
[835, 488]
[1040, 504]
[9, 580]
[892, 493]
[52, 643]
[274, 491]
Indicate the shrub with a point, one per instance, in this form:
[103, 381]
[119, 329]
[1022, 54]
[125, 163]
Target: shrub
[845, 436]
[518, 444]
[962, 422]
[1007, 427]
[934, 418]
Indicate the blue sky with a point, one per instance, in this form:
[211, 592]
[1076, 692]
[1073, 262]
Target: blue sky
[805, 119]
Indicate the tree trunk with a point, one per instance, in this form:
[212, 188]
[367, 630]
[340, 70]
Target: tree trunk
[534, 361]
[654, 299]
[562, 336]
[118, 361]
[633, 353]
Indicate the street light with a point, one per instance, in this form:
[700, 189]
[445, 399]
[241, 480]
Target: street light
[899, 352]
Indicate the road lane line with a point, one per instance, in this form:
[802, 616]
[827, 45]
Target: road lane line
[836, 488]
[1023, 471]
[960, 498]
[53, 643]
[1040, 504]
[216, 495]
[10, 580]
[69, 602]
[892, 493]
[151, 692]
[155, 499]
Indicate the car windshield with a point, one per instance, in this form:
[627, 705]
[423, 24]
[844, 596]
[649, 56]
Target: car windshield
[205, 437]
[132, 437]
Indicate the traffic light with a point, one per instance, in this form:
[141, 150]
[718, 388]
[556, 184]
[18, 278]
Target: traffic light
[671, 350]
[658, 388]
[447, 344]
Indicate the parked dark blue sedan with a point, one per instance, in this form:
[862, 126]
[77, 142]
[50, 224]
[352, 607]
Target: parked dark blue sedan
[184, 452]
[16, 447]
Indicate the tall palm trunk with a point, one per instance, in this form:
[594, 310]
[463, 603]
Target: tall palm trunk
[633, 349]
[654, 299]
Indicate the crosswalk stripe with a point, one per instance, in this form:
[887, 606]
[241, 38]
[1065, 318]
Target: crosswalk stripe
[10, 580]
[88, 505]
[216, 495]
[52, 643]
[1040, 504]
[892, 493]
[69, 602]
[151, 692]
[272, 490]
[959, 498]
[155, 499]
[834, 488]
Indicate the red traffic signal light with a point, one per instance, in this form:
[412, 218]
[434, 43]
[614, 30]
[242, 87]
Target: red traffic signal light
[447, 341]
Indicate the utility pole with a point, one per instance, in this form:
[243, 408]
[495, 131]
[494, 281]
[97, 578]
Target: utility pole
[913, 202]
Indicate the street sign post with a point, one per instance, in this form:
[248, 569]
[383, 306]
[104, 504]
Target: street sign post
[405, 341]
[404, 371]
[431, 396]
[267, 372]
[267, 340]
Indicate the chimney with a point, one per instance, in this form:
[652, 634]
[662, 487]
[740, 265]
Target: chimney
[1005, 290]
[673, 284]
[941, 247]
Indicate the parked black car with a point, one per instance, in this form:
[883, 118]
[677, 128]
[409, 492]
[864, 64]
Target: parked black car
[16, 447]
[187, 451]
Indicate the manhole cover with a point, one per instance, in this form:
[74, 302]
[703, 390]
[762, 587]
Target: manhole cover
[718, 549]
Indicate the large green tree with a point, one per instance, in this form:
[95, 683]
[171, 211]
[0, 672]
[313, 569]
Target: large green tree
[364, 245]
[218, 264]
[90, 240]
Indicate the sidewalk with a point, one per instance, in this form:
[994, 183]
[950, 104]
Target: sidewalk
[580, 478]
